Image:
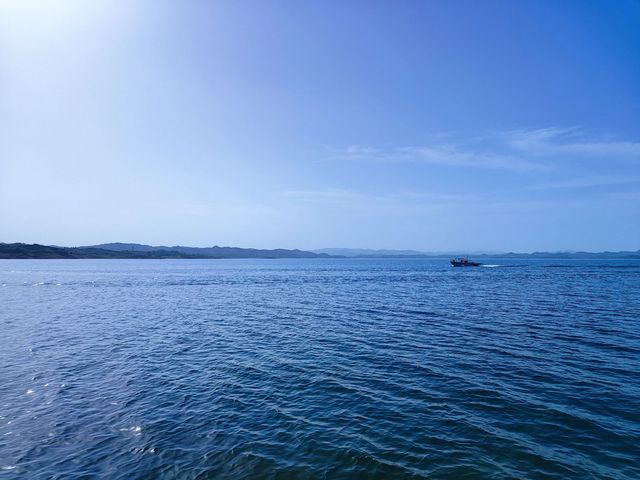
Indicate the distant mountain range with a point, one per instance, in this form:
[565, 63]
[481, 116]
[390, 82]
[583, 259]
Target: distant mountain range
[210, 252]
[136, 250]
[367, 253]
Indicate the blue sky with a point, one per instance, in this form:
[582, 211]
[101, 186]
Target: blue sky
[432, 125]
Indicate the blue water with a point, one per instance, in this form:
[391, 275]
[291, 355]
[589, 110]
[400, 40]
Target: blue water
[234, 369]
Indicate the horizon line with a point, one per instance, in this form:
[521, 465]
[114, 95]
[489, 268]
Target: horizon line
[390, 251]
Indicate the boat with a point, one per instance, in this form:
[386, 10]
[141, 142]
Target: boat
[464, 262]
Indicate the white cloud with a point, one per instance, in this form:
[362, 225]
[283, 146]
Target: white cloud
[586, 182]
[448, 155]
[515, 150]
[570, 141]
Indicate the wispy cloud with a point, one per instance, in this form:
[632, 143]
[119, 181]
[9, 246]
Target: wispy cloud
[570, 141]
[586, 182]
[448, 155]
[515, 150]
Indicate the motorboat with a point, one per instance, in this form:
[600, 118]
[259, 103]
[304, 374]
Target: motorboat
[464, 262]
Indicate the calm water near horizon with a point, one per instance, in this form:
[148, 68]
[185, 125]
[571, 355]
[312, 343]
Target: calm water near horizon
[319, 368]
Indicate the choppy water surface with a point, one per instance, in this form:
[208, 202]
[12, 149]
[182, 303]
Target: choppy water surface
[319, 369]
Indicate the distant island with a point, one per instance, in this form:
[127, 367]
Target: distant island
[139, 251]
[369, 253]
[135, 250]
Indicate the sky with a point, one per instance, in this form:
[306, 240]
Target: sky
[428, 125]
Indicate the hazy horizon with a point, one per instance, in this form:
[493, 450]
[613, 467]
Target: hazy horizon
[339, 251]
[431, 126]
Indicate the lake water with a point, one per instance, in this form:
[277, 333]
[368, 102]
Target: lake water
[332, 368]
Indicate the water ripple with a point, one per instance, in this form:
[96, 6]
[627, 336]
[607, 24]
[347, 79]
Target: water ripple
[319, 369]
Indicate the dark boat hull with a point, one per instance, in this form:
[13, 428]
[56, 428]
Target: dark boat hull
[457, 263]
